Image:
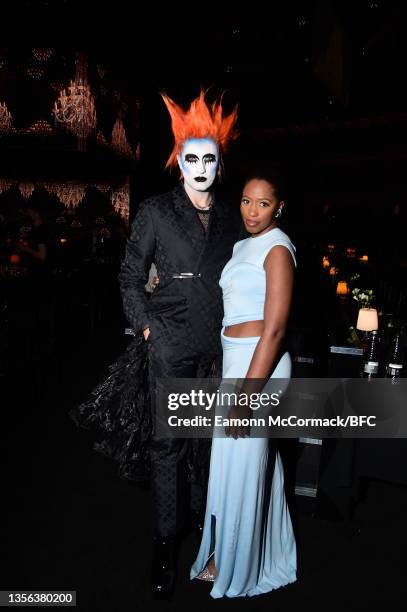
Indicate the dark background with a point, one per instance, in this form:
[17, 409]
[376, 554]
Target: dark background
[320, 89]
[321, 92]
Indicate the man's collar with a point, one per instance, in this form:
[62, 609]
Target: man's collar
[183, 204]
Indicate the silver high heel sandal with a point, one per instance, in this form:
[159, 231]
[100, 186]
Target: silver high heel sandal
[206, 575]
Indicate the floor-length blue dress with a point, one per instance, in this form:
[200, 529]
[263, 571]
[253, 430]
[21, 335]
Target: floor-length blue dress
[247, 522]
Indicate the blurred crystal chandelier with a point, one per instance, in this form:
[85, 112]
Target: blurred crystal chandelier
[42, 55]
[120, 199]
[70, 194]
[35, 72]
[5, 118]
[6, 184]
[100, 138]
[76, 109]
[103, 187]
[41, 126]
[119, 139]
[26, 190]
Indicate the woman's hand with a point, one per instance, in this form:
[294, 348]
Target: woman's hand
[146, 333]
[238, 431]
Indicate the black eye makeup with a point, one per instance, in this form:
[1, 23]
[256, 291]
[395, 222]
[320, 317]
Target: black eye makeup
[209, 158]
[191, 158]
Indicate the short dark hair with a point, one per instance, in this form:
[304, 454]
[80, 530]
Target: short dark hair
[273, 176]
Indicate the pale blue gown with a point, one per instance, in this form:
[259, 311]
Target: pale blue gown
[247, 522]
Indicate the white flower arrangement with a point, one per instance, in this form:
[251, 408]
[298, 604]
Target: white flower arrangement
[364, 297]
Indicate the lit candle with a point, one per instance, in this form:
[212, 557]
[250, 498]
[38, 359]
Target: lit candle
[342, 288]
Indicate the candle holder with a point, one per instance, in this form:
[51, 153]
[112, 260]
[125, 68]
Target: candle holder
[342, 290]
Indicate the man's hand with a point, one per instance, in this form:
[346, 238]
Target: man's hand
[153, 283]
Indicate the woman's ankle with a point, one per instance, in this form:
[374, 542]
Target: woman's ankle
[211, 566]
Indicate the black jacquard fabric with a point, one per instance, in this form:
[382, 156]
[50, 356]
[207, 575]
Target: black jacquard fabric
[184, 316]
[179, 467]
[183, 312]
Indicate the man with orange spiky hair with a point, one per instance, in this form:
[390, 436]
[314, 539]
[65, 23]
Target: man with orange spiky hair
[189, 235]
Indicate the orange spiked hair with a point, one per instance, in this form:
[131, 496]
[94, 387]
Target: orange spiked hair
[199, 121]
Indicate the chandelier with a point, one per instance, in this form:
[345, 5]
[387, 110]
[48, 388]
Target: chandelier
[26, 189]
[6, 184]
[101, 71]
[100, 138]
[42, 55]
[119, 139]
[103, 187]
[75, 107]
[35, 72]
[39, 127]
[5, 118]
[121, 201]
[70, 194]
[50, 187]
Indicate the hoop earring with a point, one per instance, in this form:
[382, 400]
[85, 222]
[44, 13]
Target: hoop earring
[278, 214]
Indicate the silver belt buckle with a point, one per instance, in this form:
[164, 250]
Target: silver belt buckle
[186, 275]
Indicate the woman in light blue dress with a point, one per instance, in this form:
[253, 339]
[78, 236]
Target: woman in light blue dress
[248, 545]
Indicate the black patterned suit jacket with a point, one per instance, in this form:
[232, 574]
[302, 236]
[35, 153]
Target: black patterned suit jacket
[183, 311]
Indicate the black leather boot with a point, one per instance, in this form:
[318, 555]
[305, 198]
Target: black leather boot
[163, 568]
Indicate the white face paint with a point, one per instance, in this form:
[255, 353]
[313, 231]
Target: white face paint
[199, 161]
